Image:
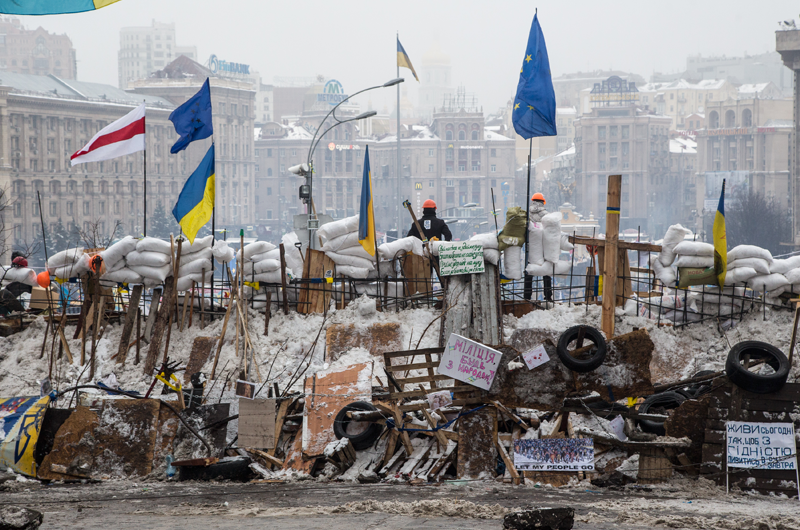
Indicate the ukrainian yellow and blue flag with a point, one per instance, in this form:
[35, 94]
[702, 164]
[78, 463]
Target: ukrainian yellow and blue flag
[720, 241]
[403, 60]
[50, 7]
[366, 216]
[196, 201]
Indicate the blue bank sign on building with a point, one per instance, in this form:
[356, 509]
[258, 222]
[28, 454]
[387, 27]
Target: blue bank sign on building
[224, 67]
[332, 93]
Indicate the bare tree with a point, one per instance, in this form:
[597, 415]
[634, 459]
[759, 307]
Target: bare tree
[753, 219]
[93, 237]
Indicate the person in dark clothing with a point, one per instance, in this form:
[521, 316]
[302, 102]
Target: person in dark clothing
[432, 226]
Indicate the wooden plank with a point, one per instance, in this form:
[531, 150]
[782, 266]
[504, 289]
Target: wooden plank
[415, 366]
[421, 449]
[422, 379]
[127, 328]
[160, 325]
[476, 444]
[201, 351]
[507, 461]
[610, 262]
[398, 421]
[155, 301]
[409, 353]
[627, 245]
[257, 423]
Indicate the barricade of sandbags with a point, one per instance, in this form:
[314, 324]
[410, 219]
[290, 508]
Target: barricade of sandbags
[195, 266]
[693, 254]
[490, 246]
[545, 243]
[22, 275]
[261, 263]
[401, 247]
[675, 234]
[69, 263]
[339, 241]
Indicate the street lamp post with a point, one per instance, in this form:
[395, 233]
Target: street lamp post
[307, 170]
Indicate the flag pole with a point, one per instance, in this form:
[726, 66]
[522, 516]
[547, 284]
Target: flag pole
[144, 184]
[397, 174]
[214, 210]
[528, 285]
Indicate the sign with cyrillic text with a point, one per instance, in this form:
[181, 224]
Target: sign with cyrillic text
[461, 258]
[554, 454]
[470, 362]
[761, 445]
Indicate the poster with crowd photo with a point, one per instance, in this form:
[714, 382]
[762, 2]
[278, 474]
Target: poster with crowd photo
[554, 454]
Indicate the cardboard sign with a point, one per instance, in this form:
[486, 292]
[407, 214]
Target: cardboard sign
[618, 428]
[761, 445]
[461, 258]
[437, 400]
[554, 454]
[256, 423]
[470, 362]
[536, 357]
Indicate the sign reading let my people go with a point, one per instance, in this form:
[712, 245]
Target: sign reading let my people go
[469, 361]
[461, 258]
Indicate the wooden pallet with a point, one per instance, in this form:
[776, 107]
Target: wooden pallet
[730, 403]
[417, 271]
[315, 297]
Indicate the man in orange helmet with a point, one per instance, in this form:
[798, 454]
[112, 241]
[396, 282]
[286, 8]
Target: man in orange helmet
[431, 225]
[537, 209]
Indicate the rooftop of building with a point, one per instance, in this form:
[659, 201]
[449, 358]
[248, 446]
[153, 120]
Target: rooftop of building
[683, 84]
[685, 145]
[51, 86]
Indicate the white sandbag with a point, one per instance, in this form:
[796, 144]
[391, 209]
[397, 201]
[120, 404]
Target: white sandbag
[203, 254]
[185, 283]
[195, 267]
[74, 270]
[116, 266]
[434, 247]
[665, 273]
[222, 252]
[147, 259]
[199, 244]
[782, 266]
[152, 273]
[551, 240]
[700, 262]
[152, 244]
[349, 271]
[694, 248]
[271, 254]
[512, 263]
[711, 293]
[151, 283]
[760, 265]
[338, 228]
[400, 247]
[116, 252]
[256, 247]
[742, 275]
[353, 261]
[357, 250]
[749, 251]
[343, 241]
[294, 260]
[488, 240]
[793, 276]
[548, 268]
[535, 243]
[65, 257]
[268, 277]
[768, 283]
[631, 307]
[124, 275]
[664, 303]
[22, 275]
[394, 289]
[565, 244]
[492, 255]
[267, 265]
[674, 235]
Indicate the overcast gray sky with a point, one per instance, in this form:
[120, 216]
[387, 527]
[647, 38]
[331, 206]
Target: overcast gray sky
[354, 40]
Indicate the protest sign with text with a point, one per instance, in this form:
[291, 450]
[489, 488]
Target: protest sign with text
[554, 454]
[460, 258]
[470, 362]
[761, 445]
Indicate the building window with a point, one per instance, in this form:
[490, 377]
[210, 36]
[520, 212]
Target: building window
[462, 135]
[269, 191]
[493, 152]
[430, 152]
[601, 132]
[626, 131]
[269, 153]
[494, 168]
[269, 171]
[474, 135]
[53, 209]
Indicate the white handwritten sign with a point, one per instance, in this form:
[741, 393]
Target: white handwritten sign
[470, 362]
[761, 445]
[536, 357]
[460, 258]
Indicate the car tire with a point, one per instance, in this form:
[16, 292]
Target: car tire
[363, 439]
[596, 355]
[667, 400]
[754, 382]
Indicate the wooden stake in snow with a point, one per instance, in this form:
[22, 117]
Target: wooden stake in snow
[610, 264]
[127, 329]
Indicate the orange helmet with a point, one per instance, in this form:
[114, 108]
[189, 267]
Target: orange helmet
[538, 197]
[429, 204]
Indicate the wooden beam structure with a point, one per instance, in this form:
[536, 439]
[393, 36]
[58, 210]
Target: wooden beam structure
[611, 255]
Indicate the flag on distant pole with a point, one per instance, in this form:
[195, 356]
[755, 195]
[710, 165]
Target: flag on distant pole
[192, 120]
[403, 60]
[120, 138]
[535, 103]
[720, 241]
[51, 7]
[366, 217]
[196, 201]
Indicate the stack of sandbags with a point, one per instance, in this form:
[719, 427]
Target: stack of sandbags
[22, 275]
[675, 234]
[292, 255]
[665, 273]
[545, 243]
[491, 252]
[260, 262]
[709, 301]
[510, 241]
[222, 252]
[401, 247]
[751, 264]
[116, 264]
[196, 258]
[340, 243]
[693, 254]
[69, 263]
[152, 259]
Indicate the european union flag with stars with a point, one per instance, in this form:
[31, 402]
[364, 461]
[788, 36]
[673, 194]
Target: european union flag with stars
[535, 103]
[192, 120]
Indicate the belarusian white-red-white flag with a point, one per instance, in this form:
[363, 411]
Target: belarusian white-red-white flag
[123, 137]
